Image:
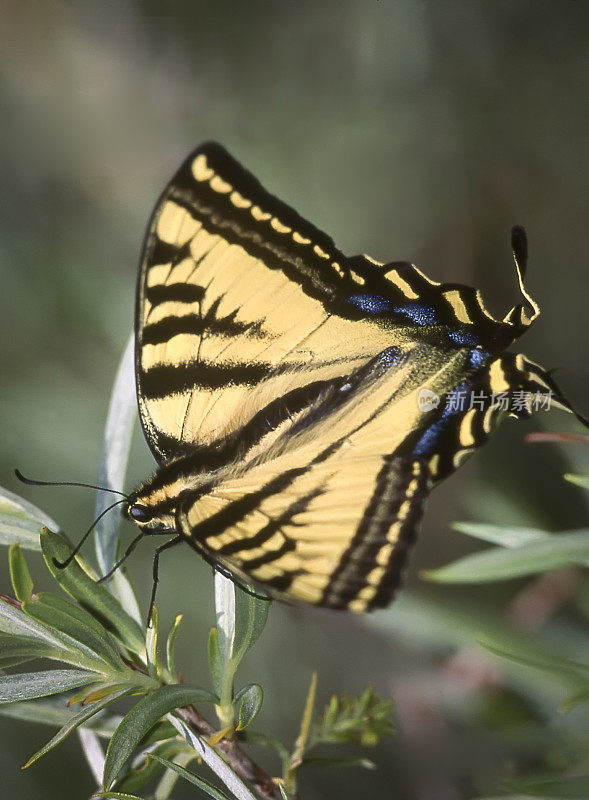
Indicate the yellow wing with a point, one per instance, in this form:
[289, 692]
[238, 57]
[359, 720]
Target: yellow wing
[241, 301]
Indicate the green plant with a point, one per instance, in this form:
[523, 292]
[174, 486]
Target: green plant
[98, 635]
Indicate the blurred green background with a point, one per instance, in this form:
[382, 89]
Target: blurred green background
[408, 130]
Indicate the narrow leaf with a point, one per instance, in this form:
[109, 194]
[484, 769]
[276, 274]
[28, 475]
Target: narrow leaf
[578, 480]
[117, 440]
[251, 698]
[251, 615]
[78, 719]
[53, 712]
[225, 612]
[115, 796]
[549, 664]
[139, 776]
[574, 700]
[213, 760]
[506, 536]
[216, 665]
[60, 614]
[142, 718]
[171, 648]
[207, 787]
[497, 563]
[28, 685]
[91, 595]
[21, 521]
[22, 583]
[15, 646]
[562, 788]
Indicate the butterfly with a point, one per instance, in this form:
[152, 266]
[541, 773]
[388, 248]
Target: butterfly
[301, 404]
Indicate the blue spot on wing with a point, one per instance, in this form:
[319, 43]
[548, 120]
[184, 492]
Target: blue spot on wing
[426, 446]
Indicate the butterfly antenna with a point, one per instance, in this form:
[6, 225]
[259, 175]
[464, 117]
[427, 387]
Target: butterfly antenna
[31, 482]
[76, 550]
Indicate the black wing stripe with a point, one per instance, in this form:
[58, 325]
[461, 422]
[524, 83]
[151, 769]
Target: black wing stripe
[168, 327]
[174, 292]
[165, 379]
[355, 572]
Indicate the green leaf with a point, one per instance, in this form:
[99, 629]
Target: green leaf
[13, 620]
[251, 615]
[512, 536]
[21, 522]
[574, 700]
[213, 760]
[25, 647]
[115, 796]
[171, 648]
[53, 712]
[556, 788]
[151, 643]
[60, 614]
[251, 698]
[139, 776]
[142, 717]
[207, 787]
[77, 720]
[548, 663]
[496, 564]
[216, 664]
[22, 583]
[365, 719]
[91, 595]
[343, 761]
[578, 480]
[28, 685]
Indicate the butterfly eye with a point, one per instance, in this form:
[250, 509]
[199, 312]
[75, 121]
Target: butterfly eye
[140, 513]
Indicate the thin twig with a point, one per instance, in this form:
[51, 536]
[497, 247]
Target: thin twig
[237, 759]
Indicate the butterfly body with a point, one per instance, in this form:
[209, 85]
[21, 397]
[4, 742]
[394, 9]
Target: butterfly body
[280, 389]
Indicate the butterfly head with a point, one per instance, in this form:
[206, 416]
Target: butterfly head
[150, 512]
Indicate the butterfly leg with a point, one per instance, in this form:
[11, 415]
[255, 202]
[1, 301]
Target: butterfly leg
[156, 560]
